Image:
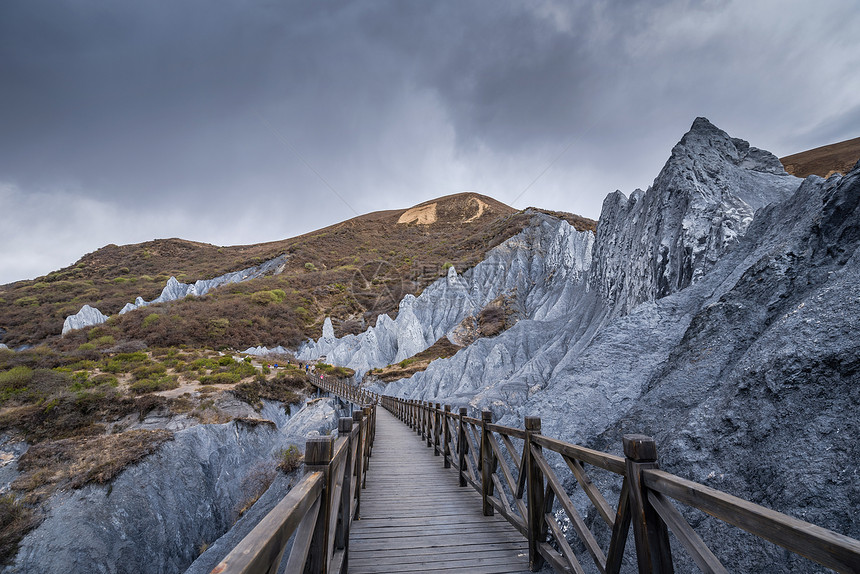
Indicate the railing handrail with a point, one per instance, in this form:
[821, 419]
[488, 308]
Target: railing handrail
[524, 495]
[644, 502]
[317, 513]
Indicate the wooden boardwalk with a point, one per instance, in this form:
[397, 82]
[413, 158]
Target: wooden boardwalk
[415, 517]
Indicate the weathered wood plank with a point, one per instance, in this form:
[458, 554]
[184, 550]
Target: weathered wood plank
[824, 546]
[416, 518]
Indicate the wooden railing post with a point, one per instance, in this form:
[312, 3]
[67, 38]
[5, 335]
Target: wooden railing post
[344, 518]
[318, 453]
[358, 417]
[437, 422]
[446, 435]
[428, 428]
[368, 442]
[487, 463]
[653, 553]
[535, 494]
[462, 446]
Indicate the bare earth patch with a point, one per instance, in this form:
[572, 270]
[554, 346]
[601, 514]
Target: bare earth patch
[423, 215]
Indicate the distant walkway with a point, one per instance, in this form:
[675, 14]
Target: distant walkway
[415, 518]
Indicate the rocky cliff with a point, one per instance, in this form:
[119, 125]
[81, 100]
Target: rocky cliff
[548, 251]
[716, 311]
[160, 514]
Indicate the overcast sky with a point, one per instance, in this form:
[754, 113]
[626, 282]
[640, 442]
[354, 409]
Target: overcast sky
[235, 122]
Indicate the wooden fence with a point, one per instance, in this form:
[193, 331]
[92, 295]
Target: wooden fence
[317, 513]
[510, 469]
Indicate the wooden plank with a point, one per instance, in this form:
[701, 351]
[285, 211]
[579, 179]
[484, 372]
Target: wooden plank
[509, 431]
[615, 554]
[416, 518]
[451, 559]
[591, 491]
[698, 550]
[575, 519]
[260, 548]
[302, 542]
[603, 460]
[823, 546]
[561, 541]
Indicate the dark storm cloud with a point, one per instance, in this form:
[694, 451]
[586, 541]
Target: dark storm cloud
[217, 121]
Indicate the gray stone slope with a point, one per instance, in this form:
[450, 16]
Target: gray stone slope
[762, 394]
[157, 514]
[548, 252]
[660, 241]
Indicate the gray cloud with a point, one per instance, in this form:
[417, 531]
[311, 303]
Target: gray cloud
[187, 117]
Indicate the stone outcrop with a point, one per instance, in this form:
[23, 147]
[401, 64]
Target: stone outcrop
[174, 290]
[548, 251]
[86, 317]
[660, 241]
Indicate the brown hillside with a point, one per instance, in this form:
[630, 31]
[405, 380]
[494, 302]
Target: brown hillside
[352, 270]
[824, 161]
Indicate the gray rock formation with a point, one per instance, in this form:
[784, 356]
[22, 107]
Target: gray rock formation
[174, 290]
[156, 515]
[264, 351]
[719, 314]
[86, 317]
[548, 251]
[660, 241]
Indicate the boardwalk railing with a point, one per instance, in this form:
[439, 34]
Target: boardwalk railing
[317, 513]
[509, 467]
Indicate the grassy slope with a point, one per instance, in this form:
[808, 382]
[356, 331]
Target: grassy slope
[352, 271]
[824, 161]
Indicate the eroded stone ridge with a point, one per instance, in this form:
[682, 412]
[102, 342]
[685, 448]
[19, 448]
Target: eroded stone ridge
[548, 250]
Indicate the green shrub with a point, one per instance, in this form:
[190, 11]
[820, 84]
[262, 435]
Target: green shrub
[155, 384]
[289, 459]
[147, 371]
[203, 364]
[105, 341]
[263, 298]
[87, 347]
[220, 379]
[150, 320]
[105, 379]
[226, 360]
[96, 332]
[29, 300]
[16, 378]
[135, 357]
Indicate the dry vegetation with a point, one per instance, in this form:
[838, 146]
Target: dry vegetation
[74, 462]
[353, 271]
[441, 349]
[824, 161]
[16, 519]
